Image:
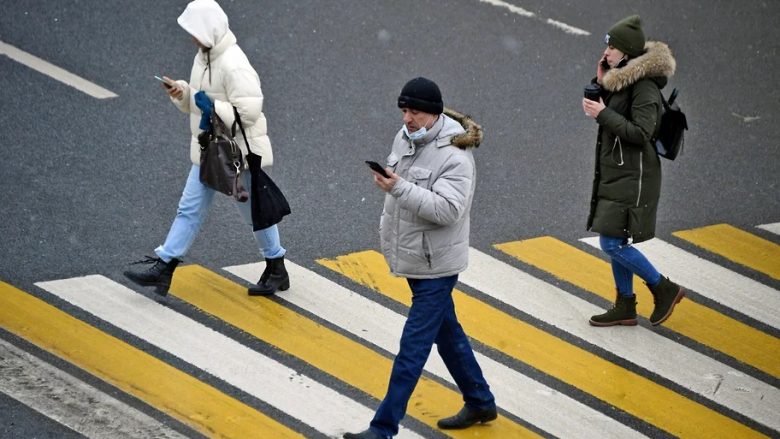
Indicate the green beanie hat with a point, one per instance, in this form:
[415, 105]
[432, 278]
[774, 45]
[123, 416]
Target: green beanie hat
[627, 36]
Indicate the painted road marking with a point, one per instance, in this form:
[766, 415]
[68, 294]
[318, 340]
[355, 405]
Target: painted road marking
[724, 286]
[278, 385]
[55, 72]
[774, 228]
[691, 319]
[130, 369]
[324, 349]
[70, 401]
[525, 398]
[525, 13]
[737, 245]
[677, 363]
[545, 352]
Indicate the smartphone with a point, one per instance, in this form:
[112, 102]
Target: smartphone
[166, 83]
[376, 167]
[604, 64]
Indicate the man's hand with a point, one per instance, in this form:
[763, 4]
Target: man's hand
[386, 184]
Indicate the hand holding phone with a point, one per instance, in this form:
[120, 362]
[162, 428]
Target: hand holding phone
[376, 167]
[165, 83]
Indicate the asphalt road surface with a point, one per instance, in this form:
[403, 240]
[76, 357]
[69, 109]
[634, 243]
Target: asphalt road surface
[89, 185]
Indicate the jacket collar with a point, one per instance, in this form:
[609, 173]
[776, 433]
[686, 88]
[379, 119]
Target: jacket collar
[657, 61]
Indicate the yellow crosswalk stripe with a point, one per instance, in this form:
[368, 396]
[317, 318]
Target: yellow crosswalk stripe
[691, 319]
[162, 386]
[737, 245]
[620, 387]
[323, 348]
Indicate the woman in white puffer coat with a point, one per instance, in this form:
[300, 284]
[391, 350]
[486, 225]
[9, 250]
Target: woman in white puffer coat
[222, 79]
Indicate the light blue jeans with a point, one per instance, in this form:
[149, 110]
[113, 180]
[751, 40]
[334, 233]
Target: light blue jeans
[193, 207]
[626, 262]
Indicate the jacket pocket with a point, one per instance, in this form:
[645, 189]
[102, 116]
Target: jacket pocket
[427, 249]
[641, 223]
[420, 176]
[610, 218]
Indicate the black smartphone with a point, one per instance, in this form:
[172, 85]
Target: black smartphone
[376, 167]
[604, 64]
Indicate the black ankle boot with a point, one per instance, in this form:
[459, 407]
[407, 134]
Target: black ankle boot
[276, 279]
[467, 417]
[367, 434]
[158, 275]
[665, 295]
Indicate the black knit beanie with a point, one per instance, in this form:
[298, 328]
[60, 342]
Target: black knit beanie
[421, 94]
[627, 36]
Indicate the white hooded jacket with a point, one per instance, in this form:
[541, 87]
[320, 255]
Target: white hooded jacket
[225, 74]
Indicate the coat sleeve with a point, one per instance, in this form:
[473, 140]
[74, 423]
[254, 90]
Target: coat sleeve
[184, 104]
[640, 126]
[242, 87]
[445, 202]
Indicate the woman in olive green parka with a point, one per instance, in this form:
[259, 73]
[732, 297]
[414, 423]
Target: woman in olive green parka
[627, 180]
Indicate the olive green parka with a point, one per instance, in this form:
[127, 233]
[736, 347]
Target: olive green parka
[627, 181]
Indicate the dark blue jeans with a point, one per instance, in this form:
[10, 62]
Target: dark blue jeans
[431, 319]
[626, 262]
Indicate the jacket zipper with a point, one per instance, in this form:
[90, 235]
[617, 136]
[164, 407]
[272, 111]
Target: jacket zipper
[639, 195]
[427, 250]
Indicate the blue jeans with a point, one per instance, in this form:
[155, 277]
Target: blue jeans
[431, 319]
[626, 262]
[193, 207]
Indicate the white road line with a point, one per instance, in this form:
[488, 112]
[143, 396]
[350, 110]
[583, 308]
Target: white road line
[681, 365]
[532, 401]
[774, 228]
[734, 290]
[522, 12]
[301, 397]
[55, 72]
[70, 401]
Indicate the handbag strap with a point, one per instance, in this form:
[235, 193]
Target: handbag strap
[241, 126]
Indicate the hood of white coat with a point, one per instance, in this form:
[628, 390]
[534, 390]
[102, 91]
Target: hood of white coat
[204, 20]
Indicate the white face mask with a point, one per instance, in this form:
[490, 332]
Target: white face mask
[417, 135]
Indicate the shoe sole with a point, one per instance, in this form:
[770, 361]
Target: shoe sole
[677, 299]
[627, 322]
[283, 287]
[462, 427]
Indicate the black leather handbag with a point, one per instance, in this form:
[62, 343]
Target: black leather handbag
[221, 160]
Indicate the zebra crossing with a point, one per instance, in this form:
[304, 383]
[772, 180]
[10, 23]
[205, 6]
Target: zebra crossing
[314, 361]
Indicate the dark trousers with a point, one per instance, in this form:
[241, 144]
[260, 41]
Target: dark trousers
[431, 319]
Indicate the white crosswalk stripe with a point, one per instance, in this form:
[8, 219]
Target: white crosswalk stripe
[70, 401]
[724, 286]
[532, 401]
[689, 369]
[774, 228]
[301, 397]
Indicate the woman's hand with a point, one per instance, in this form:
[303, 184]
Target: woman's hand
[172, 88]
[593, 108]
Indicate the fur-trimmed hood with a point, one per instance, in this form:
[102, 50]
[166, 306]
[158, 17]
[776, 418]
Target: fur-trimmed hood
[656, 63]
[473, 135]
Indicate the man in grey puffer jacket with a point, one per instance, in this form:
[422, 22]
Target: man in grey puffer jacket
[424, 233]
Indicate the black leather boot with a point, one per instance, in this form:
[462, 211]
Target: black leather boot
[158, 275]
[367, 434]
[623, 313]
[467, 417]
[666, 295]
[276, 279]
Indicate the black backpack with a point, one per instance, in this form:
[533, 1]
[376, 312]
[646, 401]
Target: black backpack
[670, 139]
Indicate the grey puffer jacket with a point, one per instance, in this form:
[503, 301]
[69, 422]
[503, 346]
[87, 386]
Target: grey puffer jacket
[424, 229]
